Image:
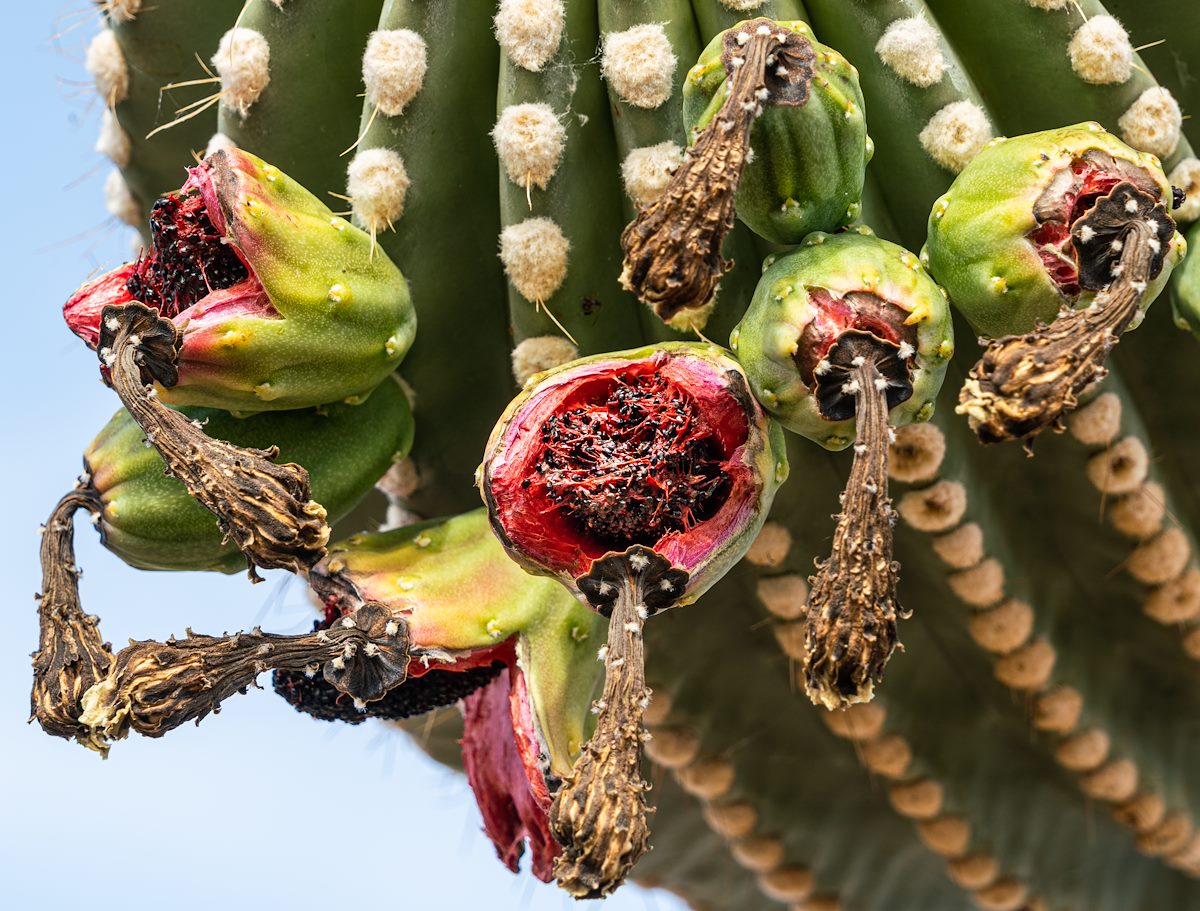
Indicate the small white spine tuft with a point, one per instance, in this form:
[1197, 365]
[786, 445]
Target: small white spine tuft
[219, 142]
[122, 10]
[106, 64]
[530, 31]
[1101, 52]
[955, 134]
[912, 50]
[377, 184]
[741, 6]
[1153, 123]
[243, 61]
[120, 202]
[1048, 4]
[113, 142]
[393, 69]
[529, 139]
[1186, 176]
[540, 353]
[647, 171]
[534, 253]
[639, 64]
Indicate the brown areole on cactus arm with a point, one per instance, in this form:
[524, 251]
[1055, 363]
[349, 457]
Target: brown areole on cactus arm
[637, 479]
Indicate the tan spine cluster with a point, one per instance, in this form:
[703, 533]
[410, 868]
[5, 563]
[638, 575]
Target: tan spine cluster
[1162, 558]
[711, 779]
[922, 800]
[1024, 662]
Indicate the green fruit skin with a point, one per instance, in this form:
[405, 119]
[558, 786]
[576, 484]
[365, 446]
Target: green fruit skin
[151, 522]
[347, 320]
[1186, 288]
[977, 247]
[809, 162]
[767, 338]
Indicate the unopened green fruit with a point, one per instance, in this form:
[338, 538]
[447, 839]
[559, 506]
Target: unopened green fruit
[151, 522]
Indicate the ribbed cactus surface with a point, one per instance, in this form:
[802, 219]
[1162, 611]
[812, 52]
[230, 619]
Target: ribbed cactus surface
[1035, 745]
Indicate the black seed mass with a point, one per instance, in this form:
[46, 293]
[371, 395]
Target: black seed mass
[641, 464]
[187, 259]
[416, 696]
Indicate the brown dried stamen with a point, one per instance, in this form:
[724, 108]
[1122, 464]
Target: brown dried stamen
[673, 247]
[264, 507]
[1024, 384]
[852, 608]
[599, 816]
[71, 655]
[153, 687]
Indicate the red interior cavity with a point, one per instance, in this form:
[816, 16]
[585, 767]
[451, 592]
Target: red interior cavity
[835, 315]
[1052, 238]
[533, 513]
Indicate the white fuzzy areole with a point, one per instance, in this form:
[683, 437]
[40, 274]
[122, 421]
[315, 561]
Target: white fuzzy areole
[1048, 4]
[731, 820]
[647, 171]
[758, 853]
[860, 722]
[742, 6]
[961, 548]
[955, 134]
[1058, 710]
[771, 546]
[1113, 782]
[1098, 422]
[1153, 123]
[1191, 644]
[938, 507]
[790, 638]
[785, 597]
[530, 30]
[120, 201]
[539, 353]
[1142, 813]
[393, 69]
[974, 871]
[122, 10]
[1186, 176]
[529, 139]
[377, 184]
[912, 50]
[1121, 468]
[106, 64]
[219, 142]
[1160, 559]
[1101, 52]
[673, 747]
[916, 453]
[639, 63]
[401, 481]
[113, 142]
[243, 61]
[1177, 601]
[1139, 514]
[1003, 628]
[1084, 751]
[534, 253]
[659, 709]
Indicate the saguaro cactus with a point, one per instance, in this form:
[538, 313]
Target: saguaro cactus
[533, 169]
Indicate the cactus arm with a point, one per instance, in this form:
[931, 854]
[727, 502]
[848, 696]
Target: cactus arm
[322, 119]
[1018, 57]
[572, 89]
[157, 45]
[898, 110]
[465, 313]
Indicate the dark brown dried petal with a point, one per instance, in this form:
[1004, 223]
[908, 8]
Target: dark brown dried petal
[265, 508]
[673, 247]
[153, 687]
[1024, 384]
[852, 608]
[71, 655]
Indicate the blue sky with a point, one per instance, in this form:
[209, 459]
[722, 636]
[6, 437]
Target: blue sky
[258, 807]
